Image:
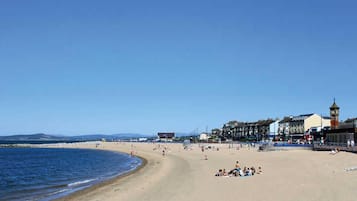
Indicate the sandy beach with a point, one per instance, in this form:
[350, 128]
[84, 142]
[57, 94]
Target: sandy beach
[181, 174]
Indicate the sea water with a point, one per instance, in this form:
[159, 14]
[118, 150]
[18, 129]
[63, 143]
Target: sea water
[50, 173]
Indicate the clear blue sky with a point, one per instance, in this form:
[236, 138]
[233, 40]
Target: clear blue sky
[83, 67]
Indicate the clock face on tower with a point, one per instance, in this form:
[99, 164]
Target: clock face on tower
[334, 112]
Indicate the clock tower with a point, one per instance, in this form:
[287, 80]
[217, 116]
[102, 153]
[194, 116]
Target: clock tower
[334, 113]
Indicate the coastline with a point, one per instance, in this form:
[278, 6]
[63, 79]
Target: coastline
[183, 174]
[80, 193]
[84, 167]
[105, 185]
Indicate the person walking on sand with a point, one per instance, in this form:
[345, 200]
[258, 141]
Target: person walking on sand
[163, 152]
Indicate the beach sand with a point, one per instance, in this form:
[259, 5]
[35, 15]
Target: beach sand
[292, 175]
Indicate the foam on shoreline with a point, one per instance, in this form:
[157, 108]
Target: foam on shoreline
[80, 193]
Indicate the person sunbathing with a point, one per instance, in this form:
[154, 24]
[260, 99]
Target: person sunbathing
[248, 172]
[219, 173]
[241, 173]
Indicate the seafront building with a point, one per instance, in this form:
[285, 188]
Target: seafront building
[334, 114]
[305, 126]
[166, 136]
[284, 128]
[296, 127]
[289, 128]
[341, 133]
[259, 130]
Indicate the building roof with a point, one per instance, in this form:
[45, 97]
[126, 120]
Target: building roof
[334, 105]
[233, 124]
[350, 120]
[166, 135]
[285, 120]
[301, 117]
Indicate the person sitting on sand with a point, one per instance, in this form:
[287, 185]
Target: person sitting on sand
[259, 170]
[253, 170]
[334, 151]
[248, 172]
[225, 173]
[237, 165]
[219, 173]
[244, 170]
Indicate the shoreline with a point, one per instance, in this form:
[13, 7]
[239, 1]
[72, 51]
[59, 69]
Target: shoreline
[112, 183]
[185, 174]
[116, 179]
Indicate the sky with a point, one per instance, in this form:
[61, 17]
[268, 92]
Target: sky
[105, 67]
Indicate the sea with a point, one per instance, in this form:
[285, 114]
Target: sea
[45, 174]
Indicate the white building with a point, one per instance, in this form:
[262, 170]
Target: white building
[273, 129]
[203, 137]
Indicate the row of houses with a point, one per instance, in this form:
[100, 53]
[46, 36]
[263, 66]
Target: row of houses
[292, 127]
[288, 128]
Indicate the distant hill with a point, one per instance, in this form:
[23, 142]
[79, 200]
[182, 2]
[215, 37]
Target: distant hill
[33, 137]
[91, 137]
[108, 137]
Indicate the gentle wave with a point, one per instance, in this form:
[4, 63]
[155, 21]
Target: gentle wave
[59, 191]
[80, 182]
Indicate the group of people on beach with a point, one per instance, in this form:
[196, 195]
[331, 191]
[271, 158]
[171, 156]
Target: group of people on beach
[163, 148]
[238, 171]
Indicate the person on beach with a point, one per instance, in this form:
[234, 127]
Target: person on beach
[237, 165]
[241, 173]
[244, 170]
[253, 170]
[259, 170]
[163, 152]
[225, 173]
[334, 151]
[219, 173]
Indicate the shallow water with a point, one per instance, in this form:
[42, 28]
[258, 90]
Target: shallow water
[45, 174]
